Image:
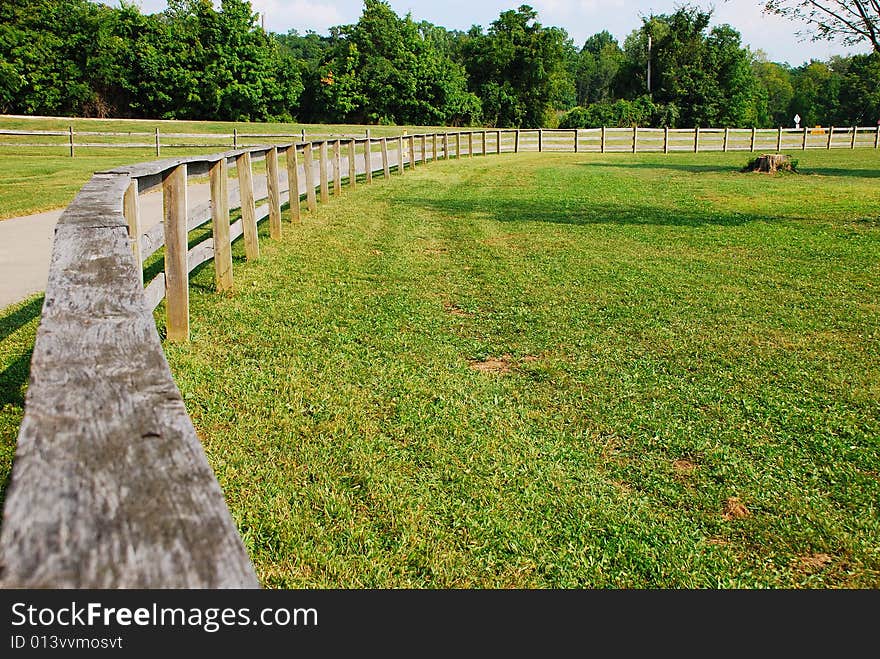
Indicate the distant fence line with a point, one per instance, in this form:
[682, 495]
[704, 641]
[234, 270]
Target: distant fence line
[578, 140]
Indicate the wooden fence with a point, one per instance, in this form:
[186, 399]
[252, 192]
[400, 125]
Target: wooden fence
[110, 486]
[585, 140]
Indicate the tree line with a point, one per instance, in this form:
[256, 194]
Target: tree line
[198, 61]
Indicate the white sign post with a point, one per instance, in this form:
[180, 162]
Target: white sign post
[797, 121]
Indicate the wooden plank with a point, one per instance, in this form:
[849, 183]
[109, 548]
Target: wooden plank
[697, 139]
[70, 133]
[666, 139]
[779, 140]
[400, 164]
[352, 164]
[110, 487]
[201, 253]
[293, 200]
[158, 145]
[635, 139]
[219, 184]
[424, 149]
[308, 165]
[248, 210]
[726, 138]
[445, 146]
[132, 211]
[412, 152]
[516, 142]
[804, 143]
[877, 136]
[575, 131]
[386, 166]
[337, 168]
[273, 187]
[368, 158]
[497, 141]
[752, 143]
[322, 173]
[174, 205]
[602, 142]
[434, 150]
[458, 145]
[540, 141]
[830, 137]
[470, 144]
[154, 292]
[852, 144]
[484, 144]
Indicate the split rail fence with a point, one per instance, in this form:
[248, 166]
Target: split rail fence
[110, 486]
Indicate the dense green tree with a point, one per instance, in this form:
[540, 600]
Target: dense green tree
[515, 68]
[598, 64]
[777, 82]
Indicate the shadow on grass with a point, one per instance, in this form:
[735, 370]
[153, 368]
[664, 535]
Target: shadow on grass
[14, 377]
[529, 210]
[726, 168]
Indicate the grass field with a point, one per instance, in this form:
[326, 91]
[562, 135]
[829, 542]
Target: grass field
[57, 177]
[552, 371]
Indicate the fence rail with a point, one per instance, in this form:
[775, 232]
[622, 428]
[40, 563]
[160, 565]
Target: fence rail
[110, 486]
[584, 140]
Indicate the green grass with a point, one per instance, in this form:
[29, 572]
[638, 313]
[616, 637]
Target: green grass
[18, 328]
[35, 179]
[675, 334]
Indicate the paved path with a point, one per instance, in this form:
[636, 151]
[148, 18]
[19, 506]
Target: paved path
[26, 242]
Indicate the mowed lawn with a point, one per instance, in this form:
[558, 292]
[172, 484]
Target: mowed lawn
[560, 371]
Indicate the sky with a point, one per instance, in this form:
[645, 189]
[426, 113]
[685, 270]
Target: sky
[580, 18]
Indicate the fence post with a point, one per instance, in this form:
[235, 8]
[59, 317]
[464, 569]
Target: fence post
[726, 135]
[274, 188]
[400, 165]
[830, 136]
[174, 211]
[220, 225]
[303, 134]
[635, 138]
[308, 166]
[70, 132]
[337, 168]
[779, 140]
[696, 139]
[424, 149]
[877, 136]
[368, 158]
[540, 140]
[412, 151]
[352, 164]
[665, 139]
[386, 167]
[158, 144]
[497, 141]
[248, 209]
[445, 146]
[132, 211]
[322, 174]
[575, 140]
[457, 145]
[852, 144]
[752, 144]
[235, 138]
[470, 144]
[602, 142]
[483, 150]
[434, 148]
[804, 145]
[293, 184]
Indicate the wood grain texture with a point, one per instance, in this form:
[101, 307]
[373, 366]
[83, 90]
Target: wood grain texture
[309, 167]
[337, 168]
[322, 173]
[110, 486]
[248, 210]
[386, 167]
[220, 225]
[174, 204]
[131, 208]
[293, 198]
[352, 164]
[368, 159]
[273, 187]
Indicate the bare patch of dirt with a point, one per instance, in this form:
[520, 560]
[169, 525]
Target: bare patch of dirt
[735, 509]
[813, 562]
[684, 467]
[492, 364]
[456, 310]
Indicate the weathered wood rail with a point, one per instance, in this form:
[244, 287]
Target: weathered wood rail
[110, 486]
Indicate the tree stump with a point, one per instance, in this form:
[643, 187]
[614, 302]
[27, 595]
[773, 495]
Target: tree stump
[770, 163]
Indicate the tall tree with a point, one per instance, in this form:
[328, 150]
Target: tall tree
[849, 21]
[514, 68]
